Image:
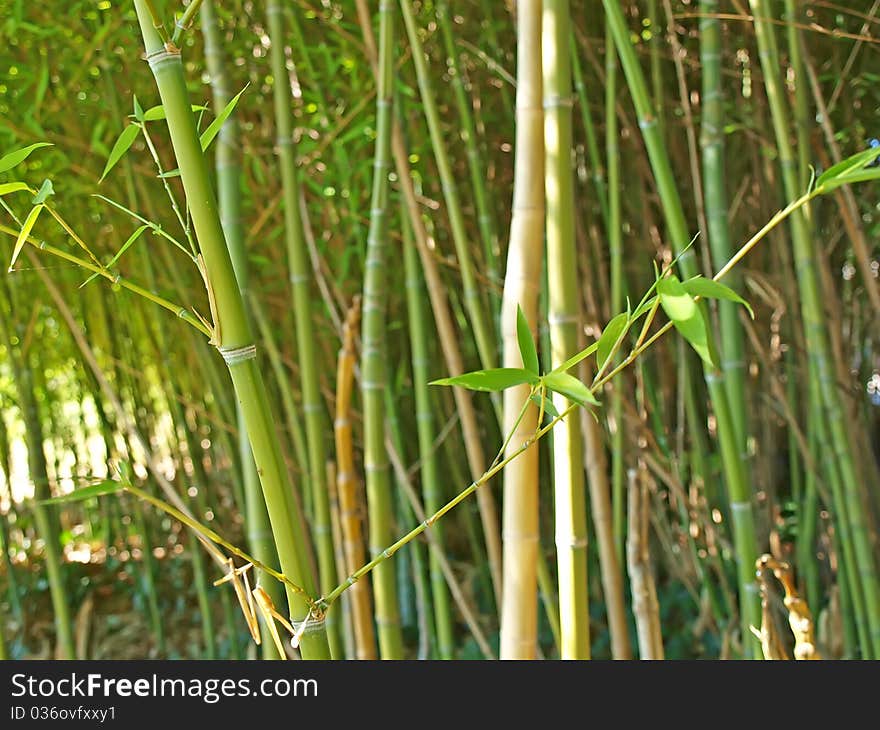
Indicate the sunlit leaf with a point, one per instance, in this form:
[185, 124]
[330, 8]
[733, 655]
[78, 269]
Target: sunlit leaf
[549, 408]
[845, 167]
[108, 486]
[851, 178]
[575, 359]
[710, 289]
[214, 127]
[526, 344]
[612, 332]
[24, 233]
[124, 141]
[688, 318]
[46, 191]
[570, 387]
[8, 161]
[490, 380]
[13, 187]
[125, 246]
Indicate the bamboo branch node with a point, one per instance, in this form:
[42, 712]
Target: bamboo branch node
[308, 625]
[574, 543]
[555, 101]
[169, 54]
[234, 355]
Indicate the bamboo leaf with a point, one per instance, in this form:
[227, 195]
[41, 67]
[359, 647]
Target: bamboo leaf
[171, 173]
[107, 486]
[25, 232]
[687, 317]
[13, 187]
[120, 147]
[845, 167]
[570, 387]
[852, 177]
[710, 289]
[156, 113]
[490, 380]
[644, 307]
[138, 110]
[8, 161]
[526, 344]
[214, 127]
[575, 359]
[610, 335]
[46, 191]
[125, 246]
[549, 408]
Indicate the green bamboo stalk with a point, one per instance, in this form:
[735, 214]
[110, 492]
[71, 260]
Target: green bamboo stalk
[300, 278]
[231, 330]
[564, 316]
[483, 333]
[429, 474]
[519, 615]
[228, 165]
[468, 135]
[373, 358]
[716, 205]
[815, 329]
[739, 491]
[45, 518]
[618, 290]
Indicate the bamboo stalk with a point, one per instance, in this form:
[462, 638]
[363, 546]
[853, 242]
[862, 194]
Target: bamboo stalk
[519, 617]
[300, 278]
[259, 534]
[645, 605]
[373, 356]
[563, 316]
[817, 344]
[429, 472]
[350, 512]
[231, 331]
[739, 490]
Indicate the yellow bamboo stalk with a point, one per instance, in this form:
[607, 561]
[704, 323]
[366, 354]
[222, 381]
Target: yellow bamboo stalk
[350, 512]
[519, 608]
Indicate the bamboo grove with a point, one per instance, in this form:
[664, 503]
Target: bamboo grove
[440, 330]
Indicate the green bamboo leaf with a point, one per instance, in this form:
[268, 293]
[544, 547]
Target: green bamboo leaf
[575, 359]
[124, 141]
[214, 127]
[155, 113]
[13, 187]
[125, 246]
[612, 332]
[171, 173]
[46, 191]
[138, 110]
[8, 161]
[687, 317]
[549, 408]
[644, 307]
[25, 232]
[849, 165]
[710, 289]
[490, 380]
[851, 178]
[570, 387]
[107, 486]
[526, 344]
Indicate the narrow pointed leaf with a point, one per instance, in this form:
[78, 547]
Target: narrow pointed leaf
[644, 307]
[570, 387]
[108, 486]
[120, 147]
[155, 113]
[849, 165]
[710, 289]
[214, 127]
[8, 161]
[138, 110]
[851, 178]
[125, 246]
[13, 187]
[526, 344]
[490, 380]
[24, 233]
[549, 408]
[575, 359]
[612, 332]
